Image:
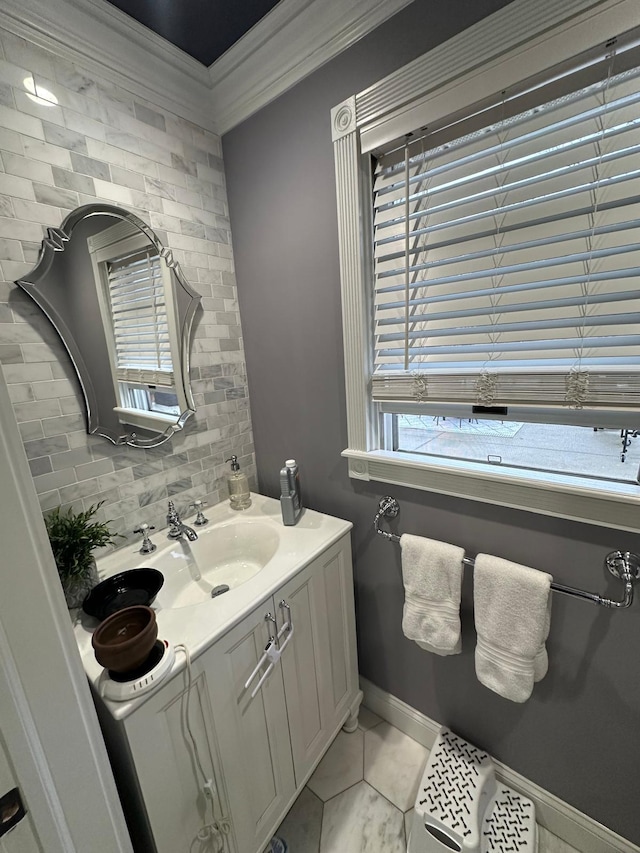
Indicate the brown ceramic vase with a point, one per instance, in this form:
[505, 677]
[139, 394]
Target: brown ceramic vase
[124, 640]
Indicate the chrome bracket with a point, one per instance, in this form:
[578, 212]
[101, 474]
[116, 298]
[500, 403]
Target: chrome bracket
[388, 507]
[623, 565]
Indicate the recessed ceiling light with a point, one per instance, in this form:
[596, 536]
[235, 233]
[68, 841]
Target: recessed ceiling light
[38, 93]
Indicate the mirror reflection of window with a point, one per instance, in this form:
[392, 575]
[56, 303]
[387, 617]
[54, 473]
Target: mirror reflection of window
[139, 317]
[124, 312]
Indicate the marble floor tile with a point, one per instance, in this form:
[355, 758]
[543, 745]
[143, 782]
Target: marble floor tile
[408, 820]
[393, 764]
[548, 843]
[367, 719]
[341, 767]
[361, 821]
[301, 827]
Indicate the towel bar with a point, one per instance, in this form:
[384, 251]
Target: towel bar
[623, 565]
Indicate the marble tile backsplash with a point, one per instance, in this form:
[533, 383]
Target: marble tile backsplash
[102, 144]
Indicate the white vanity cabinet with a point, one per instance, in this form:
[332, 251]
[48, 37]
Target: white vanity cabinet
[319, 666]
[259, 751]
[152, 756]
[270, 744]
[253, 734]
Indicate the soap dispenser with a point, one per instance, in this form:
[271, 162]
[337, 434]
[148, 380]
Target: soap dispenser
[239, 494]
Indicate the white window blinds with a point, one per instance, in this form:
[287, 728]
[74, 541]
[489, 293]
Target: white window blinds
[140, 323]
[507, 250]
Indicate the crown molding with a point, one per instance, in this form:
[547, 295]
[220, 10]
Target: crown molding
[275, 54]
[102, 38]
[271, 58]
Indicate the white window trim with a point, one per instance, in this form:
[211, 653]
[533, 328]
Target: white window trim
[442, 81]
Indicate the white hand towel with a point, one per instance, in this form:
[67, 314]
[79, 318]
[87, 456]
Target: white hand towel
[512, 614]
[432, 575]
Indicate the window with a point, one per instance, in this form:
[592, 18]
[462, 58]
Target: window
[587, 453]
[507, 275]
[136, 305]
[503, 286]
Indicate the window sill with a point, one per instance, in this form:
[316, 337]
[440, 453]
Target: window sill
[145, 420]
[560, 495]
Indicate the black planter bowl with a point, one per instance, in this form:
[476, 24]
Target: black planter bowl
[126, 589]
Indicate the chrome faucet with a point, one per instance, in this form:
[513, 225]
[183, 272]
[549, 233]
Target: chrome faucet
[176, 527]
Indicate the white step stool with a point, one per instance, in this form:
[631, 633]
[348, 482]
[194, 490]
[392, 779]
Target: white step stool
[460, 806]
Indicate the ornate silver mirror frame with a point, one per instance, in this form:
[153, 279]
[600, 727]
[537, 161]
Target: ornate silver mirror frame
[40, 284]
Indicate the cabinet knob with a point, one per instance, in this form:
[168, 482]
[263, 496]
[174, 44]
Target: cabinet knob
[289, 622]
[268, 618]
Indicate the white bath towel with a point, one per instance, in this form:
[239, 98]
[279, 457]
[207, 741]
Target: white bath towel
[432, 575]
[512, 614]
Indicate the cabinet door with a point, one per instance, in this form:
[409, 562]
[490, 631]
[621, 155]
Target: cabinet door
[302, 669]
[339, 655]
[252, 734]
[319, 663]
[170, 781]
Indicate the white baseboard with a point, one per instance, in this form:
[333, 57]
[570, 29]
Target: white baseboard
[572, 826]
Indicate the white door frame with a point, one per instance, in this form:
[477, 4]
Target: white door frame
[47, 720]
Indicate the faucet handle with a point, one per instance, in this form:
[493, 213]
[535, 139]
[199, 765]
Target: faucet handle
[147, 545]
[173, 517]
[200, 518]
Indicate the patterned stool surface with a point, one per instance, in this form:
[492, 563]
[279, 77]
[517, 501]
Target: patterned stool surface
[461, 807]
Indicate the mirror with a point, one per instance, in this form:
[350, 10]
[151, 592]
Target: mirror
[124, 312]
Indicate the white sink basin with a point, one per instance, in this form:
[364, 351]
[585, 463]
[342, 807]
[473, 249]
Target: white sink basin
[226, 555]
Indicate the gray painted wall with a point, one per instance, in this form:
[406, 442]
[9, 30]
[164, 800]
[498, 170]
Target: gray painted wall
[578, 735]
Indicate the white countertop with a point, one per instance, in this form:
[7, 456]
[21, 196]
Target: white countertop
[197, 626]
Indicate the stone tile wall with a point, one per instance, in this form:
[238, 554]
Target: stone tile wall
[102, 144]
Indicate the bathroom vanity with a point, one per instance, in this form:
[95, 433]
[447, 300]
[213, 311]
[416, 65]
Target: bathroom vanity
[255, 746]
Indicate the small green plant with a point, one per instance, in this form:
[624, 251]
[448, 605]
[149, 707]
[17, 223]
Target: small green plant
[73, 536]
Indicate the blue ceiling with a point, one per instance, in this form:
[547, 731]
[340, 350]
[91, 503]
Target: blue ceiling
[204, 29]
